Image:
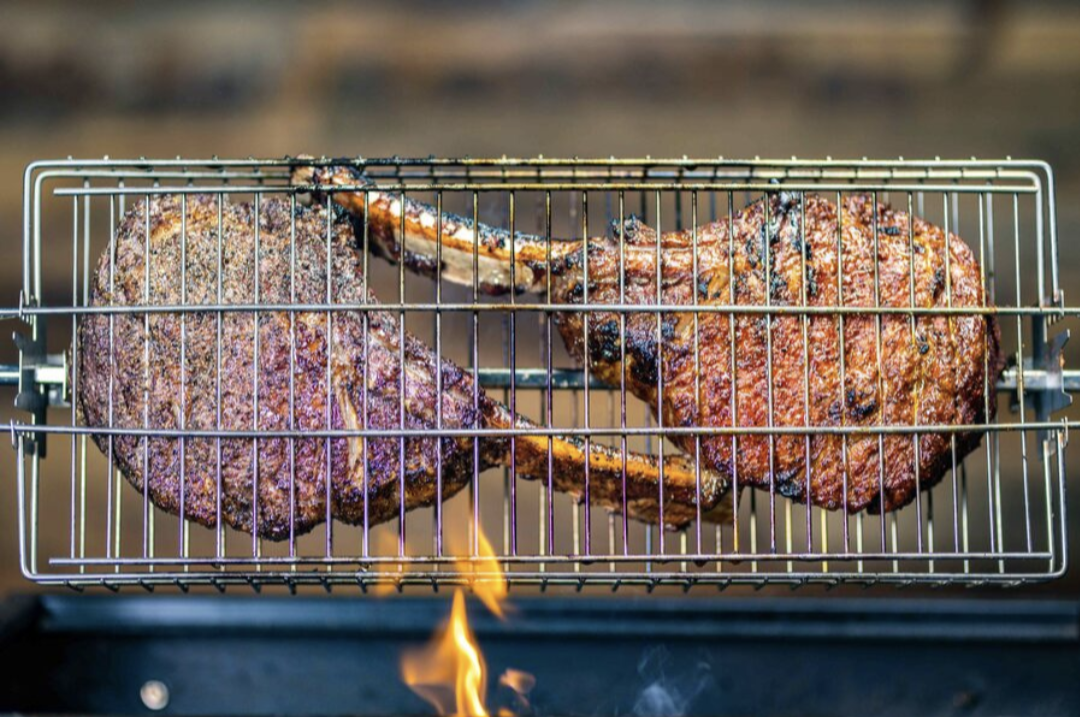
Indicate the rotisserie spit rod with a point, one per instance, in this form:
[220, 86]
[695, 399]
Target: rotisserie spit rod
[187, 370]
[840, 367]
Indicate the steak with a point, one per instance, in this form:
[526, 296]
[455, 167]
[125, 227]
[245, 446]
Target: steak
[754, 369]
[303, 371]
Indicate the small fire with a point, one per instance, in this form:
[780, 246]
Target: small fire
[492, 589]
[521, 683]
[450, 672]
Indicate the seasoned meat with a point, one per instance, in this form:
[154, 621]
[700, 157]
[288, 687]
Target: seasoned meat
[752, 369]
[162, 370]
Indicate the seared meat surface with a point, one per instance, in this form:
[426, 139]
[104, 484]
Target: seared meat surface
[161, 370]
[714, 370]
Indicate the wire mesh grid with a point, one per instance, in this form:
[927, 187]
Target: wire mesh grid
[997, 517]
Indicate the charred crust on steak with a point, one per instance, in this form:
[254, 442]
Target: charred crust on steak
[788, 483]
[604, 343]
[641, 350]
[570, 262]
[633, 231]
[811, 283]
[860, 404]
[667, 328]
[938, 282]
[423, 264]
[777, 287]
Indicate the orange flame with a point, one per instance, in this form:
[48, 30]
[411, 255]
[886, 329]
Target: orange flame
[520, 682]
[450, 672]
[490, 586]
[451, 661]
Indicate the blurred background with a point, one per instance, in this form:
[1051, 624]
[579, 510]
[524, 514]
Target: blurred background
[627, 79]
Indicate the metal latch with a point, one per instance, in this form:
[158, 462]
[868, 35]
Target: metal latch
[42, 379]
[1050, 395]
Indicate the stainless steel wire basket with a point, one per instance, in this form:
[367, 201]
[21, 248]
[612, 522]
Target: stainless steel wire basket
[998, 517]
